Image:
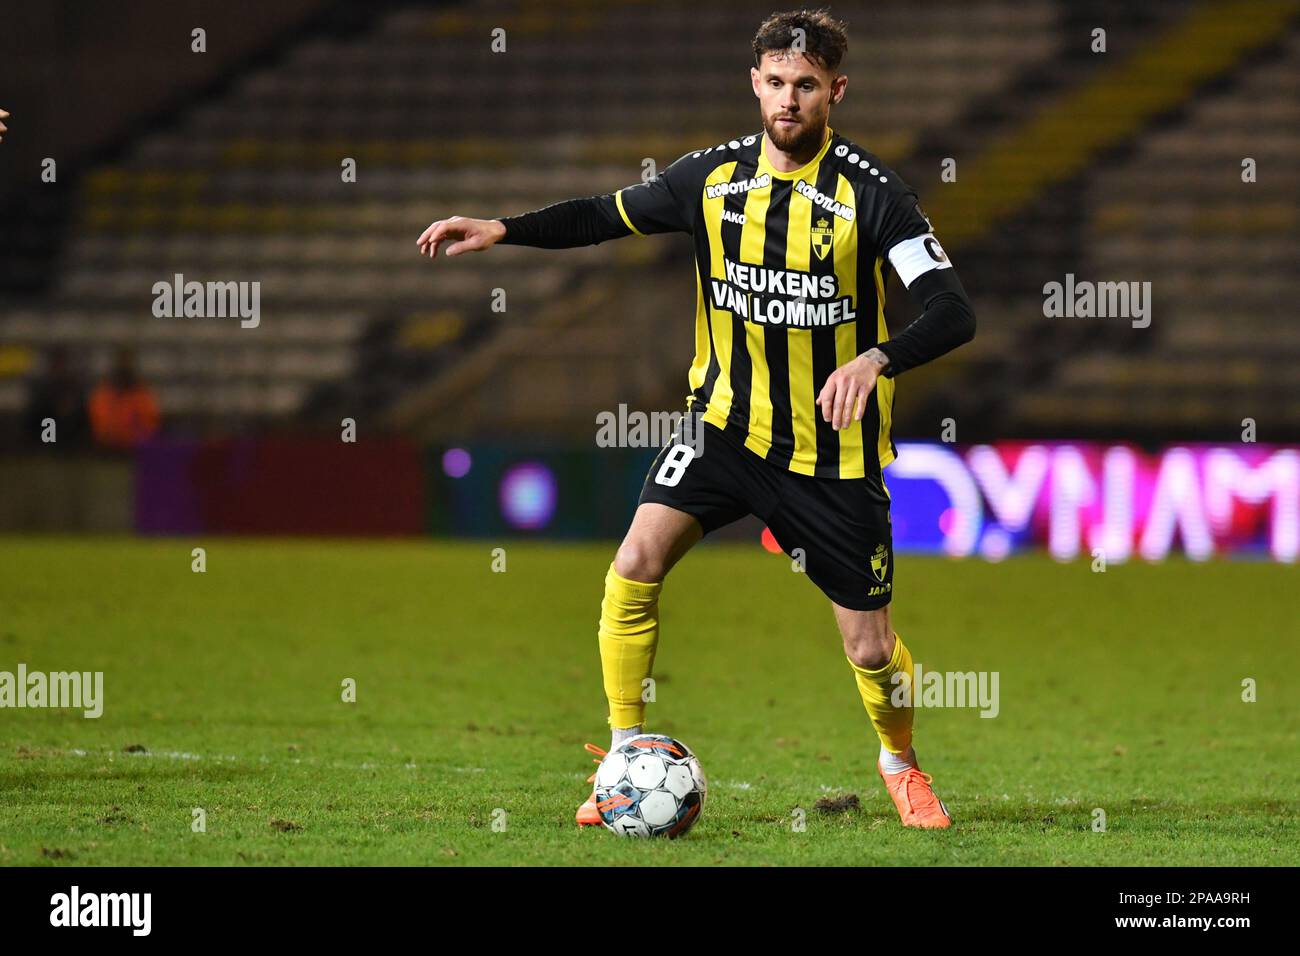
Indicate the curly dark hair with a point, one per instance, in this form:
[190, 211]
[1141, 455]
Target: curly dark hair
[825, 39]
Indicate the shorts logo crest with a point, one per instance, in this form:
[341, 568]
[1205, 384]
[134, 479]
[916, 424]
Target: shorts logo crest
[823, 234]
[880, 562]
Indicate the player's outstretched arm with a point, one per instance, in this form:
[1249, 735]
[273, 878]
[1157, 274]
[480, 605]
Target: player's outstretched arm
[465, 235]
[665, 203]
[4, 115]
[562, 225]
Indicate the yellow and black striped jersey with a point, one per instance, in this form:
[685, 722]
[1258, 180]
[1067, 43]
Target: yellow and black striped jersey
[791, 270]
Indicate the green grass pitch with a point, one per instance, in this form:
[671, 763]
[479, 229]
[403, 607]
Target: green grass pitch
[476, 690]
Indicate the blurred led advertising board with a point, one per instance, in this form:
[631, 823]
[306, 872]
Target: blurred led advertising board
[482, 490]
[1069, 498]
[1075, 498]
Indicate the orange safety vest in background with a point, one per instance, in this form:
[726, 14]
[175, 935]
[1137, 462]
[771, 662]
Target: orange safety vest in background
[122, 418]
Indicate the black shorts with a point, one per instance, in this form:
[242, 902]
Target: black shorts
[839, 527]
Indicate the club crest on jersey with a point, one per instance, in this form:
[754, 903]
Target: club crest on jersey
[823, 235]
[880, 562]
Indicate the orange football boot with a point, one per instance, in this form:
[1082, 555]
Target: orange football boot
[588, 814]
[916, 801]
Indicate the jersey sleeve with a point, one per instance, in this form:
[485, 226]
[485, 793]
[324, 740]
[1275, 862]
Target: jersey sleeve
[905, 236]
[666, 203]
[564, 225]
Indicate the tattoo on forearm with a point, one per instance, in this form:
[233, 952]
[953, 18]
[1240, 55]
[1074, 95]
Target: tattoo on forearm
[877, 357]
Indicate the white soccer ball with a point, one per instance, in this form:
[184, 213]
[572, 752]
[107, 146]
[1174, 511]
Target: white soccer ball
[650, 785]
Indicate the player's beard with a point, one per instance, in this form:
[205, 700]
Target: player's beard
[804, 139]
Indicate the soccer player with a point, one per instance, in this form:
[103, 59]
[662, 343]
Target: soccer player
[795, 231]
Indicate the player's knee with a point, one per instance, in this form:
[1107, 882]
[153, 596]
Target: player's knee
[638, 562]
[868, 658]
[870, 650]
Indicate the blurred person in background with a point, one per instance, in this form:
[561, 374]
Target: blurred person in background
[58, 394]
[123, 409]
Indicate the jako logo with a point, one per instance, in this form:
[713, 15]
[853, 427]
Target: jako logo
[103, 909]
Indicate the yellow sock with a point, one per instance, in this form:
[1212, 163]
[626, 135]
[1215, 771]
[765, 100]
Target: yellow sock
[893, 724]
[629, 634]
